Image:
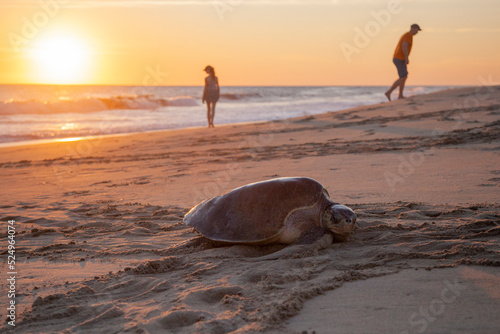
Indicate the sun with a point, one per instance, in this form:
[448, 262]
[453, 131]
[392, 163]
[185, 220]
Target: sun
[61, 58]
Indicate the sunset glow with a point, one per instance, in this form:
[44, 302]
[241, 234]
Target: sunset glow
[199, 166]
[249, 42]
[61, 59]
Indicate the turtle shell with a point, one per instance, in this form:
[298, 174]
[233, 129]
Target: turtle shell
[255, 213]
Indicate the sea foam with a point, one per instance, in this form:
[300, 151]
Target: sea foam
[49, 112]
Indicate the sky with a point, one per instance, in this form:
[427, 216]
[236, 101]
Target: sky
[248, 42]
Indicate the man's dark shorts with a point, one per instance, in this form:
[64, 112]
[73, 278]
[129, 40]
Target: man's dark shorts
[401, 66]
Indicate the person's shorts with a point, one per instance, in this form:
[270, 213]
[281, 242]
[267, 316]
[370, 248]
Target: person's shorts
[401, 66]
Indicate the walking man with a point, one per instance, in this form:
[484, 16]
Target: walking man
[401, 60]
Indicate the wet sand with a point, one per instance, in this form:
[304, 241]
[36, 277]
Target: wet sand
[101, 246]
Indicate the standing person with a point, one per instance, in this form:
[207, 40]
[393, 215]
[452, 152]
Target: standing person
[401, 60]
[211, 94]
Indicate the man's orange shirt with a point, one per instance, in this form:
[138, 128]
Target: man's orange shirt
[398, 53]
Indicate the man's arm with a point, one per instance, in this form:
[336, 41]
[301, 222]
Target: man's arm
[405, 52]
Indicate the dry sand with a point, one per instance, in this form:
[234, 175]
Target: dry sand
[101, 247]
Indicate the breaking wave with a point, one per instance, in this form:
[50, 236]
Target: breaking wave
[234, 96]
[38, 112]
[93, 104]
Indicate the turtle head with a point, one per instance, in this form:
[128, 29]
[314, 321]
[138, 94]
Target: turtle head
[340, 220]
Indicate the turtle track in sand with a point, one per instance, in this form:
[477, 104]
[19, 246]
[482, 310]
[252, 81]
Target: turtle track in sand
[196, 286]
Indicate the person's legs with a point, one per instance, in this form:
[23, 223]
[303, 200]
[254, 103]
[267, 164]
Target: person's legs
[403, 75]
[402, 82]
[208, 114]
[393, 87]
[212, 114]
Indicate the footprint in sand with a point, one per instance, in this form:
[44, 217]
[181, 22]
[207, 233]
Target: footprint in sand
[177, 319]
[210, 295]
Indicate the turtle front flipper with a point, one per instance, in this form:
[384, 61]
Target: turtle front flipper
[312, 235]
[311, 242]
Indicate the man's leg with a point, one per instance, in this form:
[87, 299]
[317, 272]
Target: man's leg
[402, 82]
[393, 87]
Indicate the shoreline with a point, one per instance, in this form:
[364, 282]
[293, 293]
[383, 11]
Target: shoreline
[422, 174]
[111, 135]
[338, 109]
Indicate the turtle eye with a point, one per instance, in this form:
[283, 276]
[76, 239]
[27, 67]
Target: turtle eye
[352, 219]
[343, 214]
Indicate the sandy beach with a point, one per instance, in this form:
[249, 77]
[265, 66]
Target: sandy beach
[101, 246]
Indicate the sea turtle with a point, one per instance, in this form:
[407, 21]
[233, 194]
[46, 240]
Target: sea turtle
[283, 210]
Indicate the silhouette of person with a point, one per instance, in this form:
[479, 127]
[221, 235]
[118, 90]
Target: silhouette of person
[211, 94]
[401, 60]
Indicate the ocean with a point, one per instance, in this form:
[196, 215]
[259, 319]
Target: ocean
[40, 113]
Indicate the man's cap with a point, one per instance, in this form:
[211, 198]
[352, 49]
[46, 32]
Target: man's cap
[416, 26]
